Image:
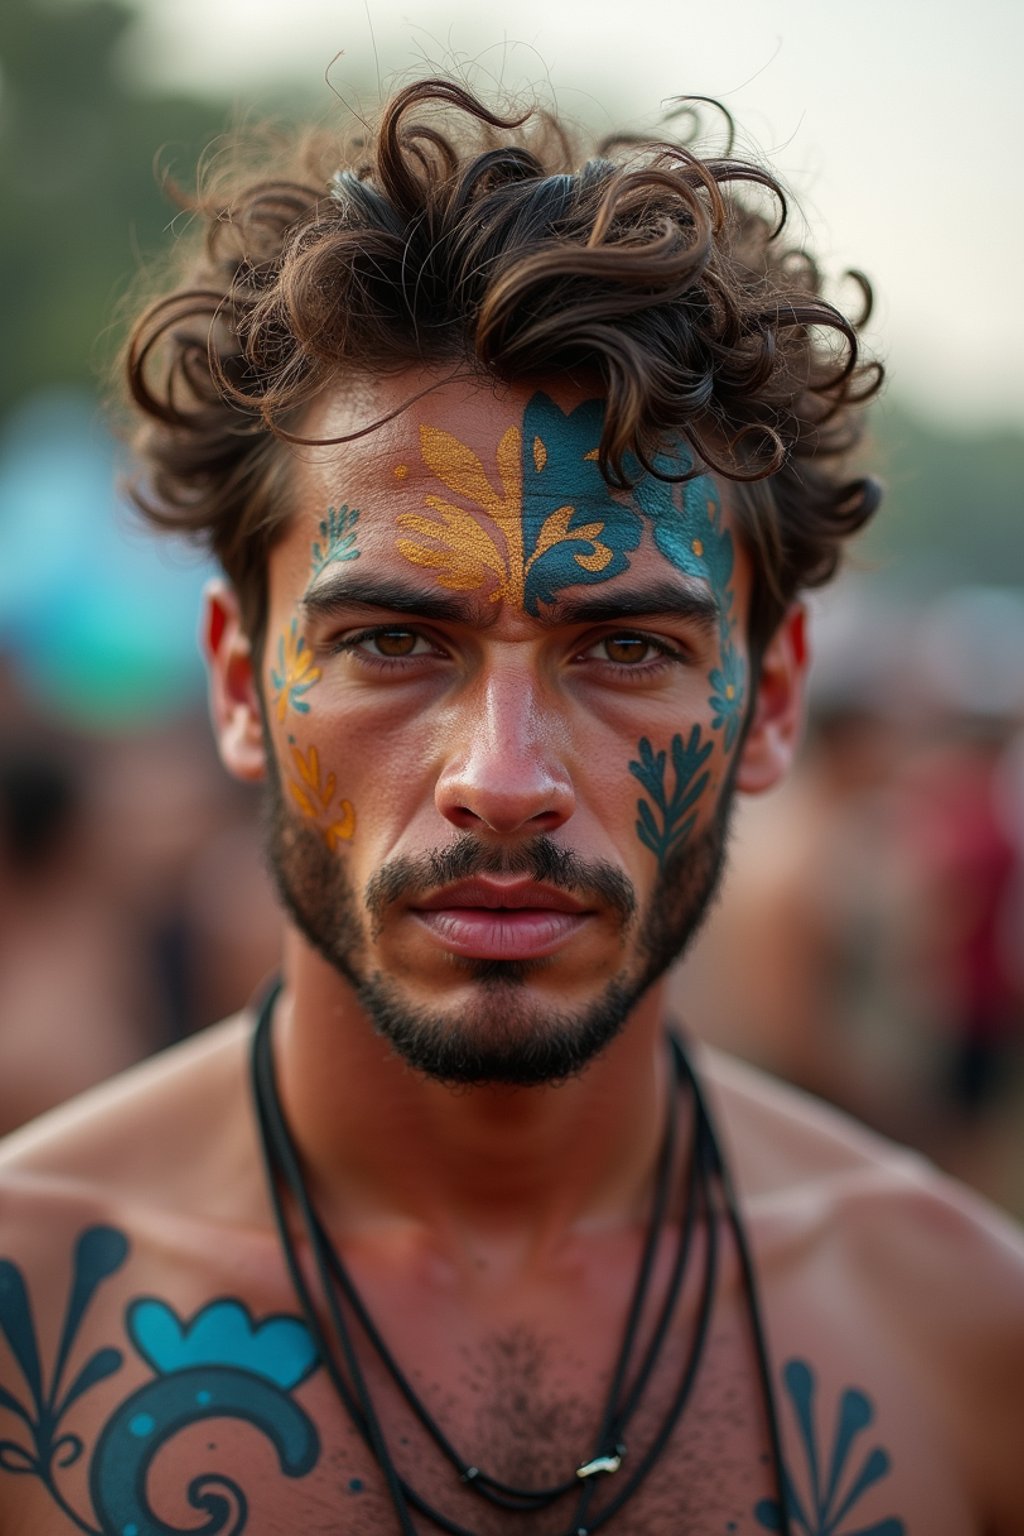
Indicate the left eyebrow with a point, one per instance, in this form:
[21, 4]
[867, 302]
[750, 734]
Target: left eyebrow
[655, 600]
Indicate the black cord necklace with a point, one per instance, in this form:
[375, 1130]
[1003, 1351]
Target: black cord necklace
[629, 1380]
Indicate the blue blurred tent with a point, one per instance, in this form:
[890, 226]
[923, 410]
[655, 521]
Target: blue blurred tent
[97, 617]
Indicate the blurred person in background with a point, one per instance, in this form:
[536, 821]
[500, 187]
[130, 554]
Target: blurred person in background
[516, 463]
[69, 991]
[117, 934]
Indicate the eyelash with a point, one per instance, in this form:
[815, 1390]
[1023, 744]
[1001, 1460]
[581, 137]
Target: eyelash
[349, 644]
[666, 654]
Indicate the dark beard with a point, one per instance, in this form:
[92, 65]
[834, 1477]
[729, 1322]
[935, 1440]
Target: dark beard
[505, 1038]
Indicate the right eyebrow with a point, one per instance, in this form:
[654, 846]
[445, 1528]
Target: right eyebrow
[347, 590]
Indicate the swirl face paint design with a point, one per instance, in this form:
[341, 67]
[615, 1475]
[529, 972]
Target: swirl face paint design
[832, 1493]
[547, 523]
[218, 1364]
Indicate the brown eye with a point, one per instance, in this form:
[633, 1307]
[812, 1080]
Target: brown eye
[627, 648]
[395, 642]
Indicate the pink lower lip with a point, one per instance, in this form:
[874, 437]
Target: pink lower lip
[501, 933]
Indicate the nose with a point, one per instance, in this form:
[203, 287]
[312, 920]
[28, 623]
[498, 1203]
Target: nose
[505, 772]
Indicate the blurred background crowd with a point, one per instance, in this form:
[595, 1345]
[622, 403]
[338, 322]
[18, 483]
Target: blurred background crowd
[870, 942]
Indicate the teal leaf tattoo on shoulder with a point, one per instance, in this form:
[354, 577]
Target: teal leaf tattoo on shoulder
[42, 1450]
[337, 539]
[219, 1363]
[832, 1491]
[665, 820]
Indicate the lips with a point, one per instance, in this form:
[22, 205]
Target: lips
[501, 920]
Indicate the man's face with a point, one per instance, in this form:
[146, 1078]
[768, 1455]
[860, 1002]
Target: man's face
[503, 708]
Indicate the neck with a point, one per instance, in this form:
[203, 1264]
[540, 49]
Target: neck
[383, 1145]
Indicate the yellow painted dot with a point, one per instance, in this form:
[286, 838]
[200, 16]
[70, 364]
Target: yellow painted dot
[730, 691]
[401, 470]
[591, 456]
[540, 455]
[698, 547]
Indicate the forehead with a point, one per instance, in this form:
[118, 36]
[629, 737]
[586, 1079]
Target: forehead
[473, 486]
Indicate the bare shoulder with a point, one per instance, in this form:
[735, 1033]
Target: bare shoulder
[800, 1163]
[144, 1141]
[899, 1272]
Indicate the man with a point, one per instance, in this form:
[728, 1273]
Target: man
[515, 472]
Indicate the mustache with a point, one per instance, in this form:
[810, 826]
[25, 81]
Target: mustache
[590, 880]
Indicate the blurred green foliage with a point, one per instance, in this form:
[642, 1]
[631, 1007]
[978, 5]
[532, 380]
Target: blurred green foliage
[81, 205]
[79, 197]
[954, 506]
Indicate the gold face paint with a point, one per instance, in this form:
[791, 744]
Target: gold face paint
[525, 539]
[335, 820]
[465, 551]
[294, 674]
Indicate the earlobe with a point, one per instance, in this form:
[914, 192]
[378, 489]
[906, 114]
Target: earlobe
[778, 709]
[234, 690]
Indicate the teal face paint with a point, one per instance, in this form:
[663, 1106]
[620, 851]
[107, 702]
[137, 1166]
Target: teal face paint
[220, 1363]
[689, 531]
[573, 532]
[728, 683]
[337, 539]
[295, 673]
[540, 520]
[828, 1499]
[666, 818]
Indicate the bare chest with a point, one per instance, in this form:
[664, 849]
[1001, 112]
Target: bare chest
[217, 1448]
[175, 1405]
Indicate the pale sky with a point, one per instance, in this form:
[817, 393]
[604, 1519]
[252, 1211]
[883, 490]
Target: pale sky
[896, 122]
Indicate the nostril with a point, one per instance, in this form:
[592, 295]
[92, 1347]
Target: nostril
[462, 816]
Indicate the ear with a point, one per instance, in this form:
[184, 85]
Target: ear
[778, 709]
[234, 693]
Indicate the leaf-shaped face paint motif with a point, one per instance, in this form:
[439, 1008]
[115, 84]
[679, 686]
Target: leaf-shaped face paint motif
[295, 673]
[540, 520]
[318, 799]
[464, 551]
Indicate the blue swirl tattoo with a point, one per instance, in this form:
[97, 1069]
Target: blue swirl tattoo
[221, 1363]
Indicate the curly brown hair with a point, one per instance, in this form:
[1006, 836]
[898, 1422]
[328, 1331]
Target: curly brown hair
[453, 235]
